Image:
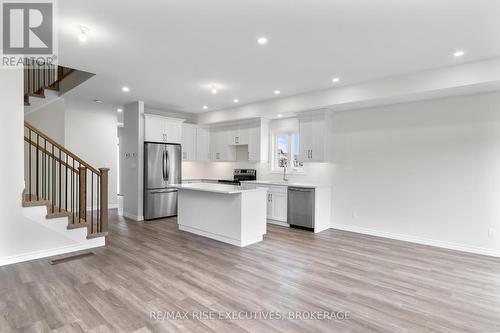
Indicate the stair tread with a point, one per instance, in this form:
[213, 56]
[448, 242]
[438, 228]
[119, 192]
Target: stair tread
[35, 201]
[39, 95]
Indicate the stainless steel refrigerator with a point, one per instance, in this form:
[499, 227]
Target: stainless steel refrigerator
[162, 169]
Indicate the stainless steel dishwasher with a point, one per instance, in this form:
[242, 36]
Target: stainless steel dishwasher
[301, 207]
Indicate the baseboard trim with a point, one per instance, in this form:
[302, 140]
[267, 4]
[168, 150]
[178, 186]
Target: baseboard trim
[95, 243]
[419, 240]
[222, 238]
[110, 206]
[133, 217]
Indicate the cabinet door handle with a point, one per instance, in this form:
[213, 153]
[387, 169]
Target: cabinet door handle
[311, 154]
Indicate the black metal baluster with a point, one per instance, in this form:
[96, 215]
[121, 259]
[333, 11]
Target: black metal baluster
[60, 181]
[53, 176]
[66, 184]
[44, 165]
[91, 202]
[37, 166]
[73, 191]
[98, 184]
[29, 167]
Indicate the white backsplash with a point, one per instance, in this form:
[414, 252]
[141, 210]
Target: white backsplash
[317, 173]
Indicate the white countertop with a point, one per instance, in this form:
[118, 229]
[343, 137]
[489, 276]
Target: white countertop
[216, 188]
[282, 183]
[200, 180]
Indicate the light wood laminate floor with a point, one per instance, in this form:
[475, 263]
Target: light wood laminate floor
[385, 285]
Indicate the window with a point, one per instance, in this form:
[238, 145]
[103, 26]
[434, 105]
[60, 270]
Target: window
[286, 151]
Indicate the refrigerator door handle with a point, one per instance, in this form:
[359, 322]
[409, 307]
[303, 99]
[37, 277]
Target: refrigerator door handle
[168, 164]
[164, 191]
[164, 166]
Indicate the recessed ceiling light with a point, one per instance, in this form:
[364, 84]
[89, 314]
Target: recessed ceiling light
[458, 53]
[262, 40]
[280, 116]
[335, 80]
[236, 100]
[205, 107]
[83, 37]
[214, 89]
[125, 89]
[119, 110]
[277, 92]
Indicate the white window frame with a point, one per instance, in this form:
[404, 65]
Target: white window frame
[275, 168]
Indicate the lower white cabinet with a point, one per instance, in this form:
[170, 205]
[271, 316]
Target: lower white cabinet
[277, 201]
[277, 206]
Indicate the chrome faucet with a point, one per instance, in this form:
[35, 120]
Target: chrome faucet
[284, 165]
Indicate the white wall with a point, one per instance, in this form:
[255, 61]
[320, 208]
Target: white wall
[50, 119]
[426, 172]
[20, 238]
[131, 160]
[11, 134]
[91, 133]
[81, 126]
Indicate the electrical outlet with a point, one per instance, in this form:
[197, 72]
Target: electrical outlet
[491, 232]
[355, 215]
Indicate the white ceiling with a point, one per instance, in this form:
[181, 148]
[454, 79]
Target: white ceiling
[168, 52]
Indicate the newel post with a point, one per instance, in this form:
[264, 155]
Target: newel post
[82, 207]
[104, 199]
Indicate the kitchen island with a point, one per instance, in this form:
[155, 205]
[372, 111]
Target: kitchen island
[226, 213]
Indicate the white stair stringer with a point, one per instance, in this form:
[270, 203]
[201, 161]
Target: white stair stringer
[39, 102]
[60, 225]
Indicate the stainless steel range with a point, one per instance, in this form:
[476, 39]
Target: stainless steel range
[240, 175]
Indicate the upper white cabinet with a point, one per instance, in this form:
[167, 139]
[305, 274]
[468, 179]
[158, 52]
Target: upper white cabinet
[258, 141]
[238, 134]
[225, 139]
[314, 131]
[202, 144]
[220, 148]
[162, 129]
[195, 143]
[188, 142]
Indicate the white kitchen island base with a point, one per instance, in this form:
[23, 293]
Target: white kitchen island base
[223, 212]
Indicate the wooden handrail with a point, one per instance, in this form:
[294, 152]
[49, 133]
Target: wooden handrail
[59, 178]
[48, 153]
[61, 148]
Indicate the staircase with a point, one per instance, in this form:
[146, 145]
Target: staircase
[64, 184]
[45, 82]
[59, 185]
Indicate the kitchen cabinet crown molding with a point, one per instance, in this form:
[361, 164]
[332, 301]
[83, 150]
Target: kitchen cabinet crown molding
[170, 119]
